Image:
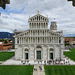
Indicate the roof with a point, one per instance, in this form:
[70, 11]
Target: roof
[69, 38]
[6, 44]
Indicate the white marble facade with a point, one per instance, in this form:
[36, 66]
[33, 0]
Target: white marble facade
[39, 43]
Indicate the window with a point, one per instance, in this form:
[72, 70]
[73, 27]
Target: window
[17, 40]
[51, 56]
[43, 32]
[26, 55]
[26, 40]
[38, 40]
[37, 18]
[33, 19]
[33, 39]
[59, 40]
[43, 40]
[38, 54]
[33, 33]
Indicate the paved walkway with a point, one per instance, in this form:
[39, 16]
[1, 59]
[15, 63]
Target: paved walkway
[12, 61]
[39, 72]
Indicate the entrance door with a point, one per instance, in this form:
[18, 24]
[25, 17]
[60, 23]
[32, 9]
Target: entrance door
[51, 56]
[26, 55]
[38, 54]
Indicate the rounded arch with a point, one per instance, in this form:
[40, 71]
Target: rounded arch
[38, 46]
[33, 19]
[26, 49]
[51, 49]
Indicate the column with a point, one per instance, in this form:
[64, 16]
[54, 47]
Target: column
[20, 40]
[48, 54]
[23, 55]
[28, 40]
[35, 54]
[32, 39]
[23, 40]
[51, 39]
[15, 40]
[37, 40]
[58, 39]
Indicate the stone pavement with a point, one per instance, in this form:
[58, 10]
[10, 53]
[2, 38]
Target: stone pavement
[12, 61]
[39, 72]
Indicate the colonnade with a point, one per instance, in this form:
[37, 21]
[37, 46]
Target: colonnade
[38, 25]
[39, 33]
[37, 40]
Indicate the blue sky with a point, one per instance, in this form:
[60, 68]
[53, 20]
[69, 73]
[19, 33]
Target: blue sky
[16, 14]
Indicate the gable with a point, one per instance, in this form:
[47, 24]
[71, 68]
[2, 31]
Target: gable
[25, 33]
[53, 33]
[38, 17]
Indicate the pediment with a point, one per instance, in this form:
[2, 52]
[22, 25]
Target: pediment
[51, 33]
[23, 34]
[38, 17]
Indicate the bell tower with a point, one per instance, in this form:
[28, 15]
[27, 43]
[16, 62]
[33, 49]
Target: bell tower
[53, 26]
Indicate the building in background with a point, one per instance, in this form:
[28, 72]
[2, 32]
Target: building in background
[39, 43]
[6, 46]
[69, 40]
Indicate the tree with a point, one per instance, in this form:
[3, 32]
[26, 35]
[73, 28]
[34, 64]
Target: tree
[3, 3]
[73, 2]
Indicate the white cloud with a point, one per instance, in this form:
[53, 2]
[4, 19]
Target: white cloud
[62, 10]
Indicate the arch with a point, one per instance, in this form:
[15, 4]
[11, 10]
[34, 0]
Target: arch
[51, 49]
[33, 19]
[51, 46]
[30, 23]
[46, 23]
[43, 18]
[38, 46]
[39, 18]
[26, 49]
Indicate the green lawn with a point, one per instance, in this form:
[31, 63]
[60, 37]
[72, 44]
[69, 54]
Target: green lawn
[70, 54]
[60, 70]
[6, 55]
[16, 70]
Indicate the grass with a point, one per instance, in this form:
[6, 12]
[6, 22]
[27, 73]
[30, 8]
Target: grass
[6, 55]
[16, 70]
[60, 70]
[70, 54]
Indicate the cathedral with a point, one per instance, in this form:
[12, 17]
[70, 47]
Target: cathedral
[39, 43]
